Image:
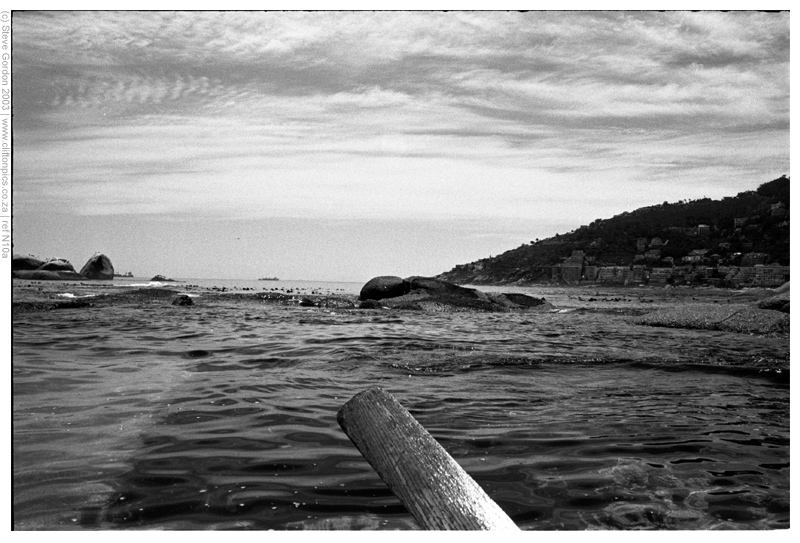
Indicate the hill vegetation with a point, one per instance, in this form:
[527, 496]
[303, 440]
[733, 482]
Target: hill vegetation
[749, 228]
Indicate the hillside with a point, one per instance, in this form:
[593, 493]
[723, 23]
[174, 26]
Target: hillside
[708, 236]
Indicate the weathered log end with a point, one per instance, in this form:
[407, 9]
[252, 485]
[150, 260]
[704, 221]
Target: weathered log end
[426, 479]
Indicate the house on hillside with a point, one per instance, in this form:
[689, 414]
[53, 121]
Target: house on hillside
[754, 259]
[637, 275]
[613, 274]
[660, 275]
[696, 255]
[779, 210]
[572, 268]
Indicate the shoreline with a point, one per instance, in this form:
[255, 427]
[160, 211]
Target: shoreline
[712, 309]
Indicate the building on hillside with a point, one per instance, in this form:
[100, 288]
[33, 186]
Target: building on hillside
[761, 276]
[572, 268]
[754, 259]
[572, 272]
[613, 274]
[739, 222]
[637, 275]
[779, 210]
[656, 242]
[703, 229]
[641, 245]
[696, 255]
[660, 275]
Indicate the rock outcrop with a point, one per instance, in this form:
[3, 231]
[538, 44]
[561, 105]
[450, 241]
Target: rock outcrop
[431, 294]
[778, 302]
[98, 267]
[58, 269]
[47, 275]
[384, 286]
[162, 279]
[740, 318]
[25, 262]
[56, 265]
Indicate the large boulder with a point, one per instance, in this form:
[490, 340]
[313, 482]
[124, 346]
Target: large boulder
[25, 262]
[431, 294]
[98, 267]
[385, 286]
[46, 275]
[57, 264]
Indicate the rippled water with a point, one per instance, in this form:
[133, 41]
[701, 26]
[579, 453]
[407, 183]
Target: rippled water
[222, 415]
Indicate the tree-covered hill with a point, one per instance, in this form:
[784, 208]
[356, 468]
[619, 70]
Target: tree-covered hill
[752, 226]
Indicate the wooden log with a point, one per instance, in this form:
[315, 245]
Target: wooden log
[426, 479]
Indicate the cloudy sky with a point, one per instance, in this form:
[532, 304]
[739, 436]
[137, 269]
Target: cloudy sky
[344, 145]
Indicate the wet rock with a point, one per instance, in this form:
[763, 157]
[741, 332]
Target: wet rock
[332, 302]
[384, 286]
[439, 287]
[740, 318]
[98, 267]
[183, 299]
[779, 302]
[515, 300]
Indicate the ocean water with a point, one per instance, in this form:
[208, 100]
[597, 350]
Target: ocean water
[222, 415]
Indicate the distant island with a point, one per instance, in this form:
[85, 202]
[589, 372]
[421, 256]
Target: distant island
[738, 241]
[268, 279]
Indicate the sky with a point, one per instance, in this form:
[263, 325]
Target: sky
[340, 146]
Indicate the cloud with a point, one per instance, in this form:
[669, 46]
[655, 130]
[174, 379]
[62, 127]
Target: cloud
[389, 113]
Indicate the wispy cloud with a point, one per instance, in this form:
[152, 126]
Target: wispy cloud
[391, 114]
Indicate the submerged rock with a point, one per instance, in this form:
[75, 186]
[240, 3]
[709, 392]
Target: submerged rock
[741, 318]
[183, 299]
[98, 267]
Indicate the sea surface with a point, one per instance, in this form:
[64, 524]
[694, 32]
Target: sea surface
[222, 415]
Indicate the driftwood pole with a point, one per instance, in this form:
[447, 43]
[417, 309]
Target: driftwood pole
[431, 485]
